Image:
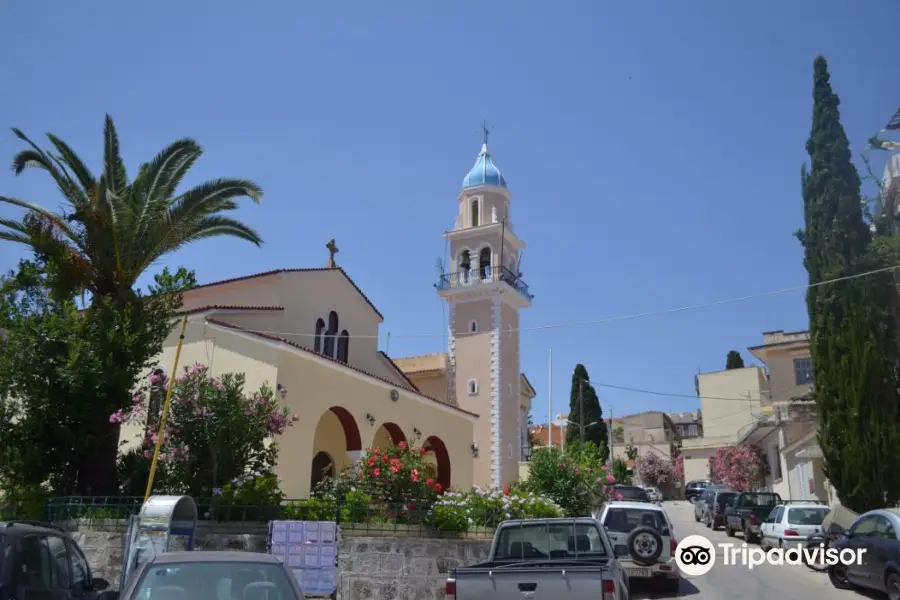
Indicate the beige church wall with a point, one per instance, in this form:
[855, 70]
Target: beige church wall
[317, 388]
[509, 393]
[222, 353]
[473, 356]
[259, 291]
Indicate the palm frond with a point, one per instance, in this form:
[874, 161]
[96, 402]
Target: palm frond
[55, 220]
[16, 231]
[36, 157]
[157, 181]
[74, 162]
[117, 177]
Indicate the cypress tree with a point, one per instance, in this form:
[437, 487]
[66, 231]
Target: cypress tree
[852, 336]
[734, 360]
[594, 428]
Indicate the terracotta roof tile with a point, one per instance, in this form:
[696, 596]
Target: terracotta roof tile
[202, 309]
[280, 271]
[275, 338]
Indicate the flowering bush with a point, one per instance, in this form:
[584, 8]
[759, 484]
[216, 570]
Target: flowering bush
[215, 436]
[398, 475]
[654, 470]
[456, 511]
[678, 468]
[620, 471]
[741, 468]
[575, 478]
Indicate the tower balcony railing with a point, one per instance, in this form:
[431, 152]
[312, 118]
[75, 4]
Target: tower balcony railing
[480, 276]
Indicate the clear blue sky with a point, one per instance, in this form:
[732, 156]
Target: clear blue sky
[653, 149]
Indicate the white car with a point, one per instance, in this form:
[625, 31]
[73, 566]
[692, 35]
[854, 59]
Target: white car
[791, 523]
[654, 494]
[644, 541]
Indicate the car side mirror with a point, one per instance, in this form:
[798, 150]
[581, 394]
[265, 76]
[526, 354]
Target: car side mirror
[666, 532]
[99, 584]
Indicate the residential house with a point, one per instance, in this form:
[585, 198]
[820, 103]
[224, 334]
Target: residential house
[688, 425]
[731, 401]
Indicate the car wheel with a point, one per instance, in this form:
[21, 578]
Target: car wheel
[708, 522]
[696, 516]
[893, 586]
[838, 576]
[715, 525]
[729, 531]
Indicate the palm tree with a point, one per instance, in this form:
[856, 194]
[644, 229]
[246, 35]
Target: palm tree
[111, 230]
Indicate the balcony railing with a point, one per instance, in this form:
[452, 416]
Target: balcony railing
[475, 277]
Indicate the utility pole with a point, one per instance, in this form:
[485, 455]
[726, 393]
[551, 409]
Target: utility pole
[612, 436]
[581, 408]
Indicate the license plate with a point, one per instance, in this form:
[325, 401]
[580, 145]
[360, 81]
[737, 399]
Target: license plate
[639, 572]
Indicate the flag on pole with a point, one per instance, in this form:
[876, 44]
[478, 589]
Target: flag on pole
[894, 123]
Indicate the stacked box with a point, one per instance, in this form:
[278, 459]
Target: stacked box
[309, 549]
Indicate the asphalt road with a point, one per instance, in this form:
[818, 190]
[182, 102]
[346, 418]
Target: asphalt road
[727, 582]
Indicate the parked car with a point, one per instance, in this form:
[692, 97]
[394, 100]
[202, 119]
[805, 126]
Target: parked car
[629, 492]
[643, 540]
[569, 558]
[41, 560]
[654, 494]
[747, 511]
[693, 489]
[210, 575]
[876, 533]
[714, 506]
[701, 502]
[791, 524]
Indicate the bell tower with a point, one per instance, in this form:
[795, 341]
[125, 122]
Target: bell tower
[485, 292]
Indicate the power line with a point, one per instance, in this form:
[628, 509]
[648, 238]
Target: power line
[605, 320]
[679, 395]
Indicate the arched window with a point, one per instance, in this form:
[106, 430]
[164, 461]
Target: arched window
[473, 326]
[473, 387]
[343, 347]
[331, 334]
[465, 265]
[475, 215]
[320, 329]
[484, 263]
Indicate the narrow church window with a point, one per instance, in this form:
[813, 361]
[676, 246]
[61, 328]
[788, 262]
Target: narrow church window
[343, 347]
[473, 326]
[473, 387]
[509, 331]
[320, 329]
[331, 334]
[509, 451]
[475, 212]
[484, 263]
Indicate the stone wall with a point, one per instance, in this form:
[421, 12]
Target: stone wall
[369, 567]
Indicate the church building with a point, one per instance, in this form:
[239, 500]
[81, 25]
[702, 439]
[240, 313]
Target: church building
[312, 334]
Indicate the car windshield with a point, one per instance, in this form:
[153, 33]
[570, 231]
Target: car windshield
[215, 581]
[724, 498]
[806, 516]
[537, 541]
[624, 520]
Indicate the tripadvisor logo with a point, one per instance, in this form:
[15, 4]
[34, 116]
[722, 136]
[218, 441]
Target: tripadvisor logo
[696, 555]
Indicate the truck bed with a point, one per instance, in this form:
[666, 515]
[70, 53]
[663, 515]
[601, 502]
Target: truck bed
[575, 580]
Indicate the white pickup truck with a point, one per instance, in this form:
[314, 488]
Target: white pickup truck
[560, 559]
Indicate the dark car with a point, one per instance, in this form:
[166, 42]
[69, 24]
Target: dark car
[693, 489]
[875, 533]
[630, 493]
[210, 576]
[716, 502]
[41, 561]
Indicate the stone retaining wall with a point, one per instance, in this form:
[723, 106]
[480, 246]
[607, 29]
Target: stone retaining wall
[369, 567]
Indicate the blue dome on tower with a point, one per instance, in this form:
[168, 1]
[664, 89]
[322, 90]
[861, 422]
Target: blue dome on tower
[485, 172]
